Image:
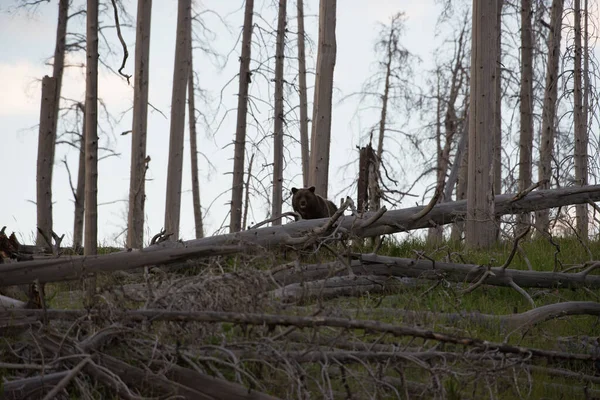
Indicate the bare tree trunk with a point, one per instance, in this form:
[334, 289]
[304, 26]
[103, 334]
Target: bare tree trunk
[526, 105]
[45, 161]
[497, 186]
[137, 181]
[302, 94]
[198, 223]
[237, 188]
[435, 235]
[580, 156]
[58, 64]
[277, 199]
[549, 109]
[48, 128]
[90, 246]
[375, 198]
[80, 190]
[458, 227]
[480, 211]
[586, 90]
[181, 75]
[321, 126]
[247, 192]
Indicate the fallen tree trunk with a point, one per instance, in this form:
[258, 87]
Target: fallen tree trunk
[78, 267]
[26, 387]
[340, 286]
[395, 221]
[313, 322]
[292, 234]
[373, 264]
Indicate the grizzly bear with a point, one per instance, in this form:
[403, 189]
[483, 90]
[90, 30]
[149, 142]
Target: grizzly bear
[310, 205]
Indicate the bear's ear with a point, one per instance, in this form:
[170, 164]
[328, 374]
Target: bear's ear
[312, 189]
[294, 190]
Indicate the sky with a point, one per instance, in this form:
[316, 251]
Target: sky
[27, 40]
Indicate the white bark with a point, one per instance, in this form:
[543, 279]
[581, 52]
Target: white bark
[580, 124]
[45, 161]
[321, 125]
[137, 182]
[302, 94]
[91, 132]
[549, 110]
[480, 224]
[90, 244]
[181, 75]
[239, 152]
[526, 104]
[277, 199]
[198, 221]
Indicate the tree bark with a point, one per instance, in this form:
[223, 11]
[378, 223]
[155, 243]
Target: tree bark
[376, 265]
[45, 161]
[497, 185]
[137, 181]
[526, 105]
[277, 198]
[321, 126]
[302, 93]
[435, 235]
[181, 76]
[586, 94]
[80, 190]
[458, 176]
[198, 222]
[90, 246]
[480, 224]
[580, 125]
[549, 109]
[48, 128]
[237, 188]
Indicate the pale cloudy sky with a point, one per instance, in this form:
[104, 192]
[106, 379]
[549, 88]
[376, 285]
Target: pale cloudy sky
[27, 41]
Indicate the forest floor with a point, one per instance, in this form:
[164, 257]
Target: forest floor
[326, 359]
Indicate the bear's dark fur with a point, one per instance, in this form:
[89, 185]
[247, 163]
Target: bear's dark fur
[310, 205]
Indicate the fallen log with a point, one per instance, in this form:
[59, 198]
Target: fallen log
[315, 322]
[292, 234]
[373, 264]
[340, 286]
[78, 267]
[32, 387]
[395, 221]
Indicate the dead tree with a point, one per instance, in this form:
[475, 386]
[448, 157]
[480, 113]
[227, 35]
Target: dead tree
[321, 125]
[80, 189]
[239, 152]
[137, 179]
[90, 246]
[181, 76]
[302, 93]
[277, 199]
[526, 104]
[580, 124]
[480, 222]
[45, 161]
[549, 110]
[48, 128]
[198, 222]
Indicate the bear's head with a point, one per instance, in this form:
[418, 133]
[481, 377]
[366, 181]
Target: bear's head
[304, 200]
